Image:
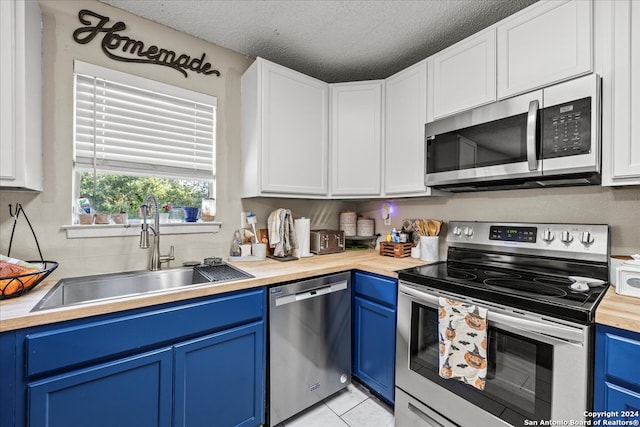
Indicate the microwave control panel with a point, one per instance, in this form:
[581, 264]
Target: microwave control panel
[567, 129]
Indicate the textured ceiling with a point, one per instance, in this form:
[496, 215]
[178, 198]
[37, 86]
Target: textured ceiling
[334, 41]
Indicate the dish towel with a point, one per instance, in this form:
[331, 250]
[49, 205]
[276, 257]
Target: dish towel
[282, 233]
[463, 342]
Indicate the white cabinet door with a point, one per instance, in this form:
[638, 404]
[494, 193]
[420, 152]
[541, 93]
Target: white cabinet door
[463, 76]
[284, 132]
[405, 116]
[356, 138]
[545, 43]
[20, 103]
[621, 124]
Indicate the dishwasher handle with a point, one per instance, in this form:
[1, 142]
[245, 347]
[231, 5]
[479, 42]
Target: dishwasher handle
[313, 293]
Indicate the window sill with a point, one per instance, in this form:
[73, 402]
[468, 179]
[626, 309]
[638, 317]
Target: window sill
[77, 231]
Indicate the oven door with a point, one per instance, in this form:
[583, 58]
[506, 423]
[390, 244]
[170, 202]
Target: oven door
[537, 368]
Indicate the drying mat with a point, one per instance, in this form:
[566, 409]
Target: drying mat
[282, 258]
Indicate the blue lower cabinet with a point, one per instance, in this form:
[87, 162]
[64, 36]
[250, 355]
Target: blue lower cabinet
[195, 363]
[617, 377]
[374, 334]
[135, 391]
[220, 379]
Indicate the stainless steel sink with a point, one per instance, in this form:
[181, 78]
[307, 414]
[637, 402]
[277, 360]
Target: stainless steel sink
[81, 290]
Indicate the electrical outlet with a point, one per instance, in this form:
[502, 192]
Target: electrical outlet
[386, 213]
[243, 220]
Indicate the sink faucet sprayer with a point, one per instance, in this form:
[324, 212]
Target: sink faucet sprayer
[155, 263]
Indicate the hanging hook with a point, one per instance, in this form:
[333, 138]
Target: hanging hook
[15, 222]
[18, 209]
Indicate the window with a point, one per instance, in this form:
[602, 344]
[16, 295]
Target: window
[134, 136]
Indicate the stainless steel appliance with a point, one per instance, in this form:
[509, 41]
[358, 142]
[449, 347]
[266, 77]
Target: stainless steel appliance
[326, 241]
[540, 324]
[310, 343]
[549, 137]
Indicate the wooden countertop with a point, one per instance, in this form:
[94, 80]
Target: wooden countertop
[16, 313]
[619, 311]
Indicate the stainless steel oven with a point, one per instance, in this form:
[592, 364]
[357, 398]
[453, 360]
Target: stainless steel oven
[539, 325]
[547, 137]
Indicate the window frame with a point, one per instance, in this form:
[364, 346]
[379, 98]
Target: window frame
[143, 84]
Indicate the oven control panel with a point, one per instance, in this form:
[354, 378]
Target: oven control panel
[581, 241]
[513, 234]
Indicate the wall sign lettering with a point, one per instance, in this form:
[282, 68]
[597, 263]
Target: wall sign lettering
[126, 49]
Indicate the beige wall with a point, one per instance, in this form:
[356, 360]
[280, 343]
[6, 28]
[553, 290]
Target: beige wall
[618, 207]
[52, 208]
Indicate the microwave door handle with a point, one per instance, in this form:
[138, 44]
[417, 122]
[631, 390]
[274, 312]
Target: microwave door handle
[532, 126]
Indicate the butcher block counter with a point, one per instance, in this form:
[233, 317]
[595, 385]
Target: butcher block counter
[619, 311]
[16, 313]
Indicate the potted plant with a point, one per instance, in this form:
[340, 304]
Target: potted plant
[165, 210]
[121, 216]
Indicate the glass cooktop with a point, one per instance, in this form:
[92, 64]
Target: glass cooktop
[544, 293]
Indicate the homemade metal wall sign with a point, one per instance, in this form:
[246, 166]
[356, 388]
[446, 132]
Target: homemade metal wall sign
[126, 49]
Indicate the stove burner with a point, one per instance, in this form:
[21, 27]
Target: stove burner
[518, 286]
[460, 274]
[493, 273]
[463, 267]
[553, 280]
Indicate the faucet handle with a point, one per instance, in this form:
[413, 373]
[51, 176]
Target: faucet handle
[167, 258]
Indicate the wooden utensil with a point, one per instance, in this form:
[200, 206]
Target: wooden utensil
[422, 227]
[432, 228]
[438, 225]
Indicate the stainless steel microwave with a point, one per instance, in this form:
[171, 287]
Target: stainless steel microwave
[549, 137]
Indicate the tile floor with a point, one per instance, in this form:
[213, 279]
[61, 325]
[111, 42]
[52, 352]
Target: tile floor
[353, 407]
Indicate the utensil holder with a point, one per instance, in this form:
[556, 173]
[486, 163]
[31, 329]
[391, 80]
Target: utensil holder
[429, 248]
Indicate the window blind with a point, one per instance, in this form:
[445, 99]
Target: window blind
[129, 124]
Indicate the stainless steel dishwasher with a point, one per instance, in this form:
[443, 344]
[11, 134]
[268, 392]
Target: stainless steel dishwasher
[310, 343]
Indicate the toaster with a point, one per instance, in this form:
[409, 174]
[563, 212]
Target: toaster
[326, 241]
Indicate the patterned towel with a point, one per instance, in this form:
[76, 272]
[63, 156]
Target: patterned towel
[463, 342]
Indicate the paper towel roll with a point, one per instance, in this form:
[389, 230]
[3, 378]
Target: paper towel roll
[303, 234]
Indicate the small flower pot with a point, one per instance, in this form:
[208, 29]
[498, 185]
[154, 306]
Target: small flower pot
[85, 219]
[102, 218]
[120, 218]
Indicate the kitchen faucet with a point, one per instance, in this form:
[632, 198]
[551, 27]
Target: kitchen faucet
[155, 263]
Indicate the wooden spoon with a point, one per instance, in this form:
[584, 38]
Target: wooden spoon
[438, 226]
[432, 228]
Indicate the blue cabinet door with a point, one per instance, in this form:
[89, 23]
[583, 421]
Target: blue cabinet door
[134, 391]
[374, 346]
[219, 379]
[617, 378]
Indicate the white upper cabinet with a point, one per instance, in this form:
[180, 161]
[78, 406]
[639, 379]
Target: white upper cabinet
[21, 89]
[405, 116]
[618, 52]
[356, 138]
[463, 76]
[284, 132]
[543, 44]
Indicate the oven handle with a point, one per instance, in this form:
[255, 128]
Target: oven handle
[541, 329]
